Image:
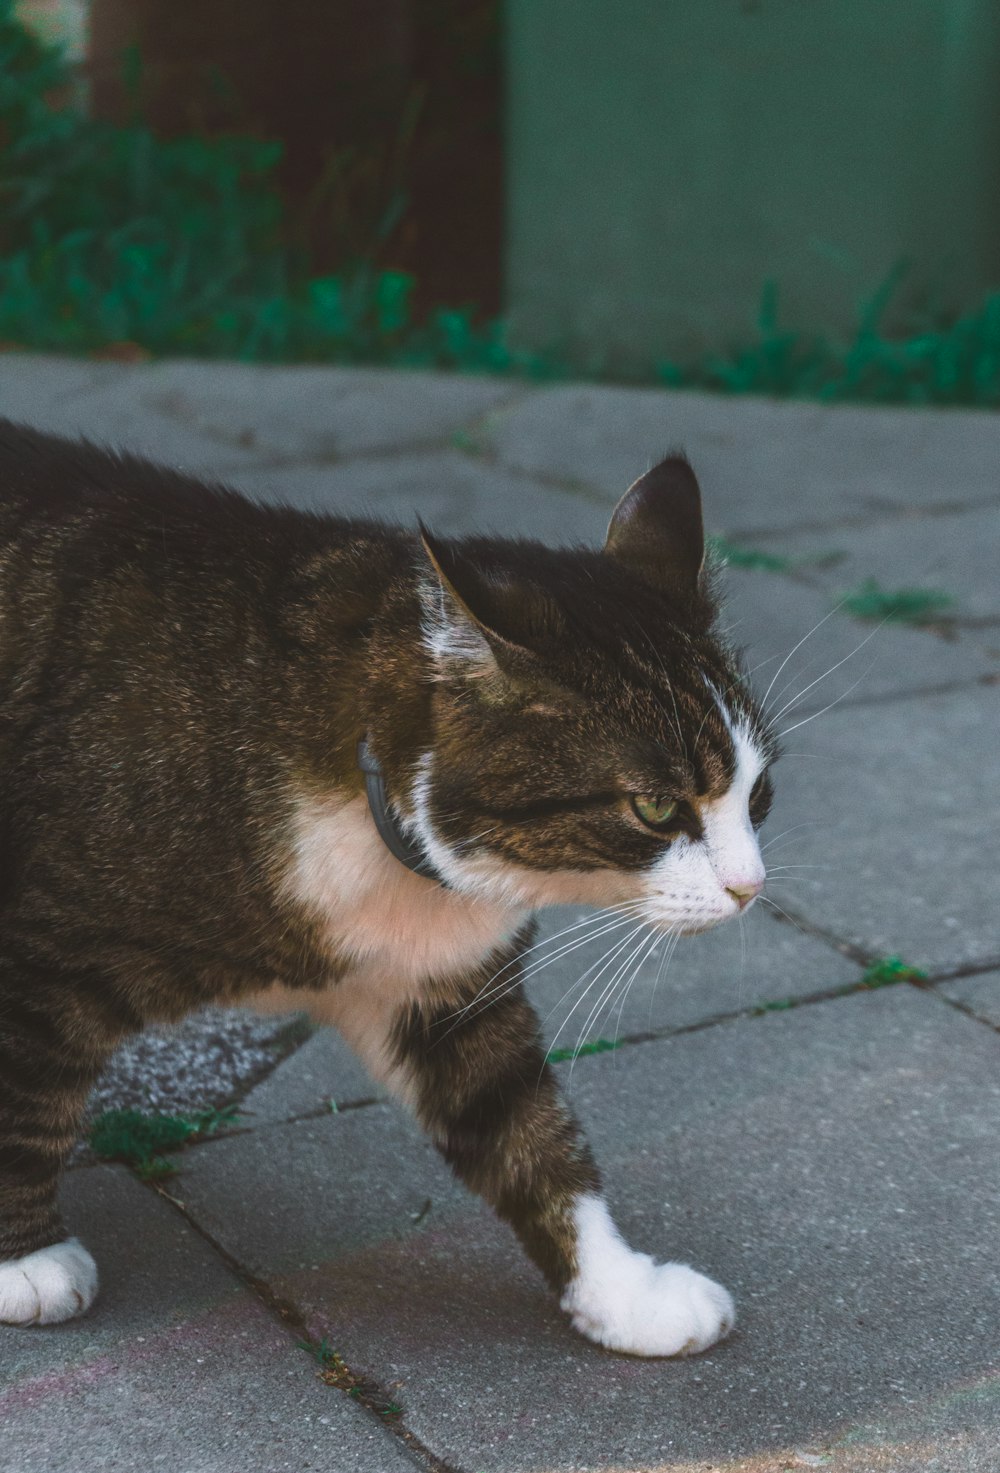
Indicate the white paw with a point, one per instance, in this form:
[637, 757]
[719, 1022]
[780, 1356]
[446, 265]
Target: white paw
[48, 1286]
[626, 1301]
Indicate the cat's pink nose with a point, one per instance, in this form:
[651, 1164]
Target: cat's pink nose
[743, 894]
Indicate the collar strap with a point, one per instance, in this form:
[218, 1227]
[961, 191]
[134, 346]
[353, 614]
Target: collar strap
[398, 844]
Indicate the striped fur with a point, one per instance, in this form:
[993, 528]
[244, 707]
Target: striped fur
[184, 677]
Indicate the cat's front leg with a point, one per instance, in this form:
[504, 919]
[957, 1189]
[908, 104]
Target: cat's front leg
[481, 1086]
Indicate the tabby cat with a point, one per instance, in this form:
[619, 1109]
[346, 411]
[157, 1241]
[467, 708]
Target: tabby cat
[185, 678]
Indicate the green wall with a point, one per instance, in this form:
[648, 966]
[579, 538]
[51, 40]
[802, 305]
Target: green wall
[667, 156]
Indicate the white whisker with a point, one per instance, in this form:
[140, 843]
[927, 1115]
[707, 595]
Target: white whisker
[607, 991]
[843, 696]
[607, 961]
[789, 705]
[809, 823]
[798, 646]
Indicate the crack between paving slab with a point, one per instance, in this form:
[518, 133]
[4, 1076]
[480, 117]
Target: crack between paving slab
[778, 1005]
[928, 983]
[430, 447]
[967, 969]
[966, 1010]
[320, 1112]
[364, 1390]
[172, 407]
[854, 953]
[865, 958]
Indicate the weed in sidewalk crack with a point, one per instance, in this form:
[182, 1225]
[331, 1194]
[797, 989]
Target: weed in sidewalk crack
[138, 1139]
[740, 555]
[598, 1046]
[918, 606]
[885, 971]
[334, 1371]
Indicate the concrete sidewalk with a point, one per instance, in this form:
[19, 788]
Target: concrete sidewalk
[830, 1152]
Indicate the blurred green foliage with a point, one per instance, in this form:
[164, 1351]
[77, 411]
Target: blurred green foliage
[941, 359]
[110, 234]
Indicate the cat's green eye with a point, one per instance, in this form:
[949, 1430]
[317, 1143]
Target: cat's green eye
[654, 811]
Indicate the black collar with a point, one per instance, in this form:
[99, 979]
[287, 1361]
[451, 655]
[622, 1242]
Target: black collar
[386, 822]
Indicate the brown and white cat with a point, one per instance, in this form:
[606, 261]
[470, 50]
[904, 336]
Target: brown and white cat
[185, 678]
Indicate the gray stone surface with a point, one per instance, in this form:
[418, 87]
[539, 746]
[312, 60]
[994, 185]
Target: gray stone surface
[319, 413]
[957, 554]
[898, 801]
[732, 969]
[34, 386]
[323, 1071]
[763, 464]
[836, 1165]
[833, 657]
[112, 405]
[320, 1188]
[176, 1366]
[448, 489]
[979, 993]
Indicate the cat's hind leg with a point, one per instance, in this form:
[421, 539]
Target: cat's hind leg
[477, 1079]
[47, 1065]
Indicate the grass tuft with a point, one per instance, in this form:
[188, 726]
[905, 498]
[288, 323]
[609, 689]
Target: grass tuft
[896, 605]
[888, 970]
[138, 1139]
[334, 1371]
[734, 555]
[599, 1046]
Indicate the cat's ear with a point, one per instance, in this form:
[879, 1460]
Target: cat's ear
[490, 608]
[656, 529]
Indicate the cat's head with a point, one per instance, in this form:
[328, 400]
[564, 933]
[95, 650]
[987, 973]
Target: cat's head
[594, 740]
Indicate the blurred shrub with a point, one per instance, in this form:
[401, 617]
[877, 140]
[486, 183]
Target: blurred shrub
[109, 234]
[938, 361]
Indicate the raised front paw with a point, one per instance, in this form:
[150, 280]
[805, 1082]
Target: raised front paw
[46, 1287]
[626, 1301]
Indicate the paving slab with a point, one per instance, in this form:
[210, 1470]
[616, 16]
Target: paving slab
[958, 554]
[321, 1187]
[898, 802]
[731, 969]
[979, 993]
[176, 1366]
[319, 413]
[795, 634]
[763, 464]
[323, 1073]
[112, 405]
[36, 385]
[836, 1165]
[452, 492]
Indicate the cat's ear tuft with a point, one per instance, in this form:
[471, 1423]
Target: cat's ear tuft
[656, 530]
[514, 618]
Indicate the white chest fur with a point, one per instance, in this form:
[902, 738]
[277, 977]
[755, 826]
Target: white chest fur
[375, 912]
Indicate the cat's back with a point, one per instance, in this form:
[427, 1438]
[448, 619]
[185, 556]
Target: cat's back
[51, 487]
[116, 571]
